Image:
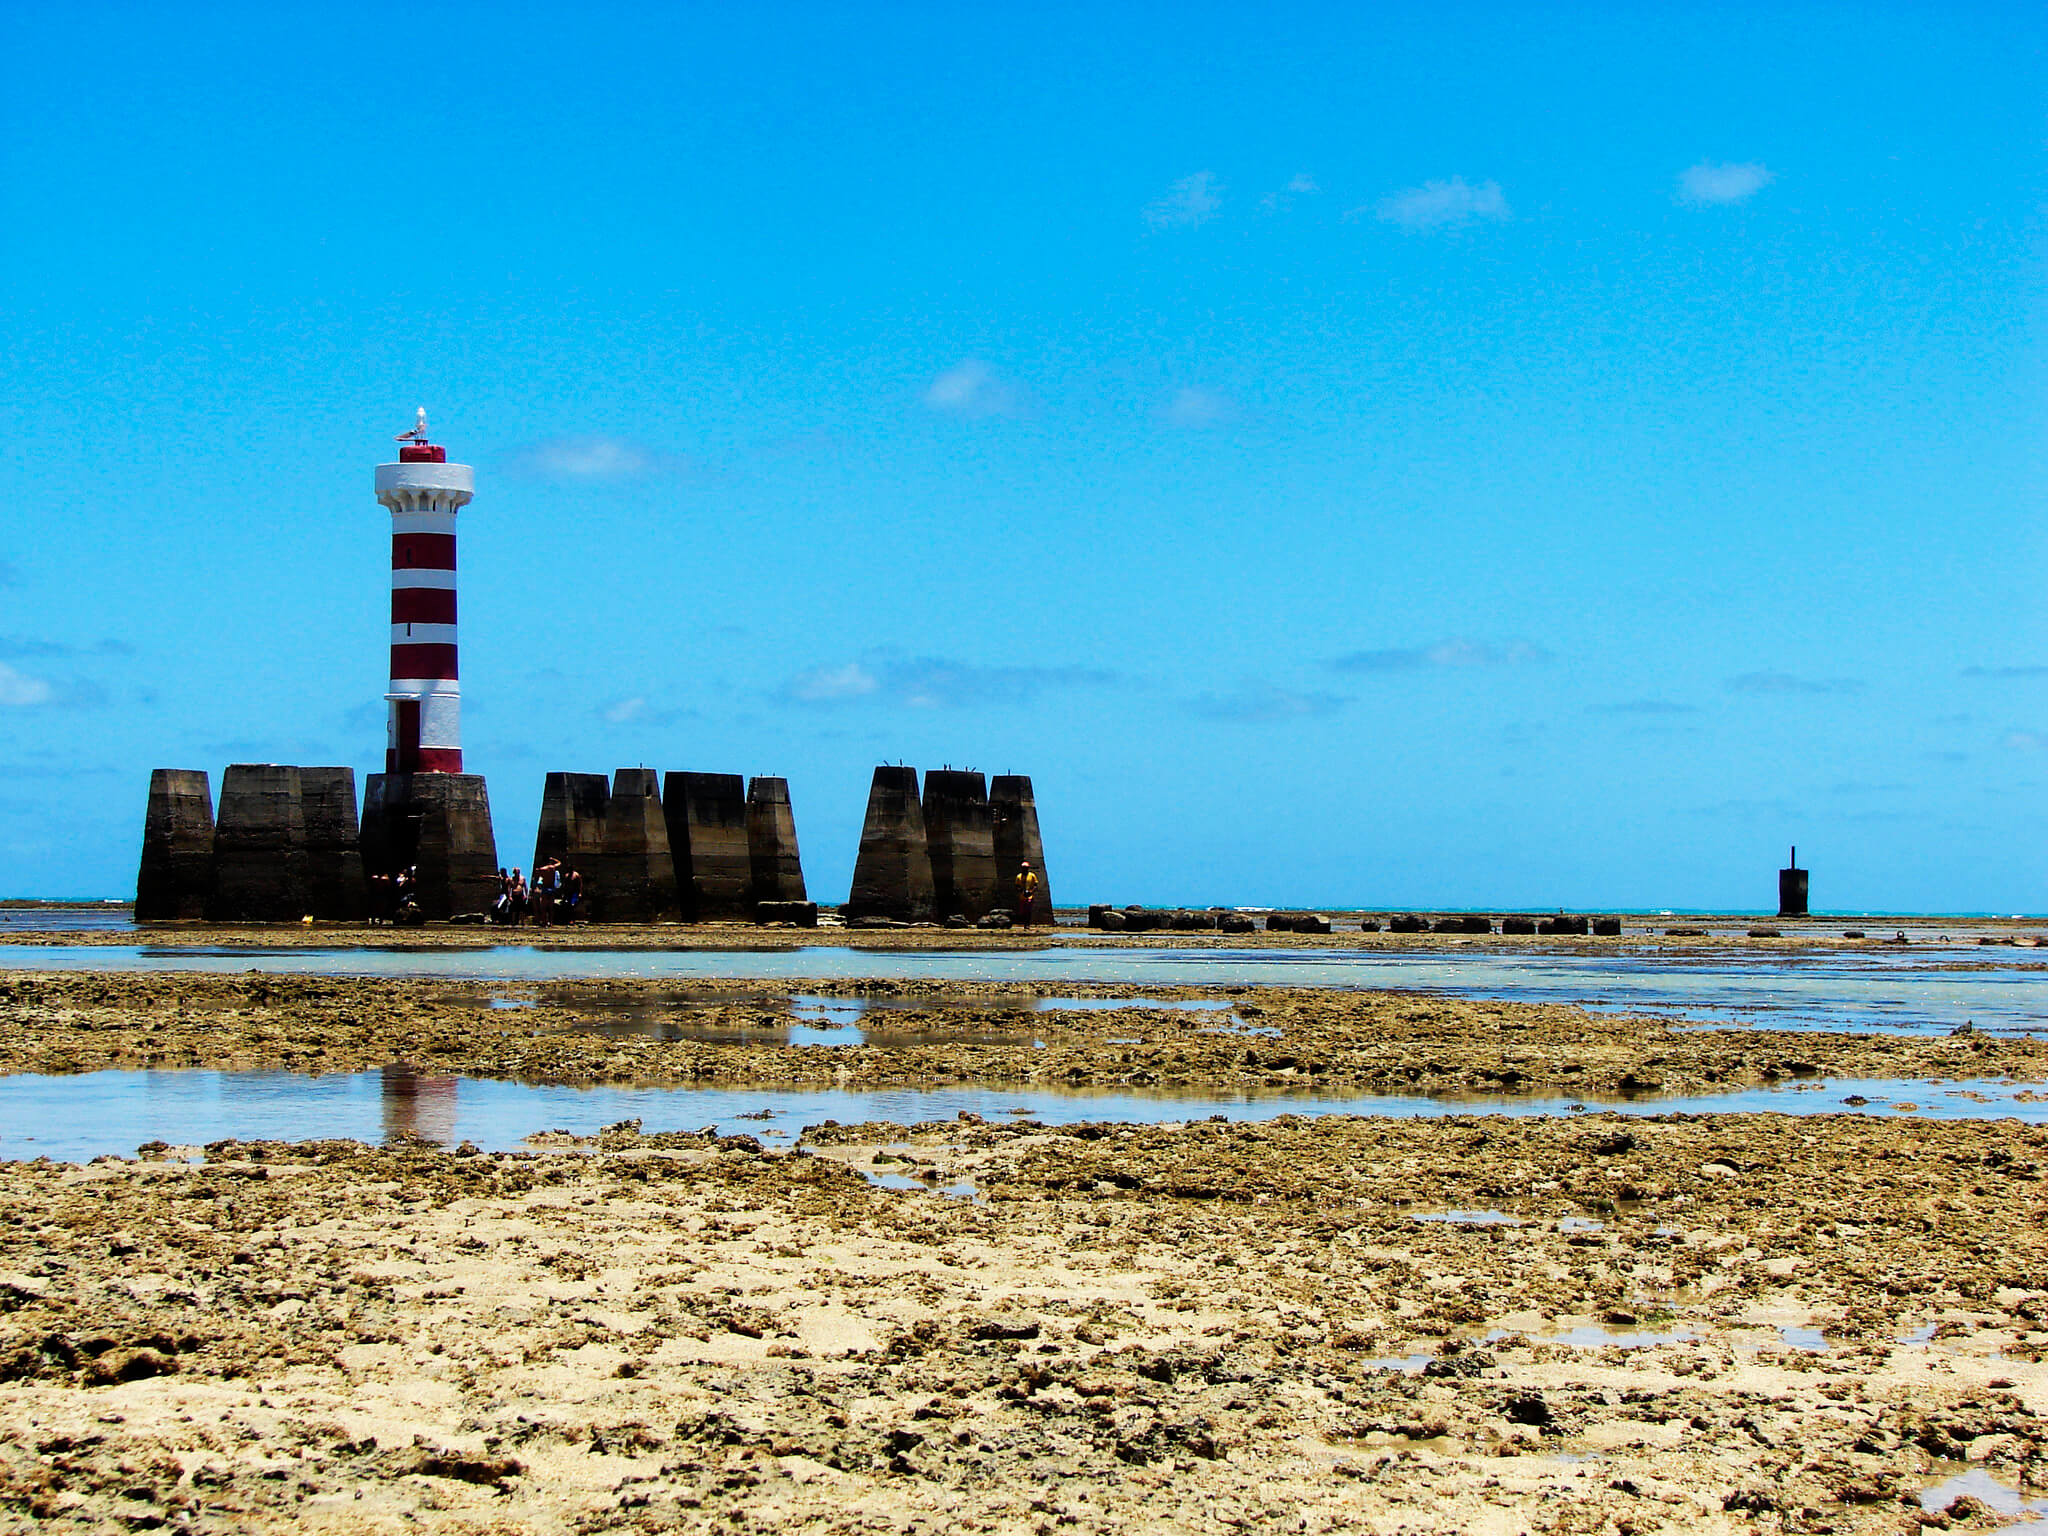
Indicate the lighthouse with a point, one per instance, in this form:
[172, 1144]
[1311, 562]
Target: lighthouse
[423, 813]
[423, 492]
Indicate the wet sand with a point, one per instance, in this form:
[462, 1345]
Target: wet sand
[1701, 1323]
[1267, 1040]
[1200, 1328]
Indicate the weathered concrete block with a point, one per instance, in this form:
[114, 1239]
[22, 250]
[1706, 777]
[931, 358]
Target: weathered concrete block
[334, 855]
[1405, 922]
[572, 807]
[1792, 888]
[1112, 921]
[1236, 922]
[635, 877]
[960, 836]
[1565, 925]
[1518, 925]
[1297, 922]
[778, 869]
[176, 874]
[438, 824]
[1015, 813]
[706, 815]
[804, 914]
[259, 847]
[892, 874]
[1369, 925]
[1606, 927]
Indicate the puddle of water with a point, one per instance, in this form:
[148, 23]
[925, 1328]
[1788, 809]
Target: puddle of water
[1924, 1334]
[1913, 990]
[1594, 1336]
[2001, 1500]
[1809, 1339]
[1579, 1224]
[963, 1190]
[1468, 1218]
[85, 1114]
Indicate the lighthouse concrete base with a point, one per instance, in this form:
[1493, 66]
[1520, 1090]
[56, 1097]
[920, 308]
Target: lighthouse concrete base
[176, 875]
[440, 825]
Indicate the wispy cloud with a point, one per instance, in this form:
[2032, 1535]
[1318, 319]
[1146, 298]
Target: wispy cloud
[25, 649]
[831, 685]
[1709, 184]
[1197, 408]
[1646, 707]
[2026, 741]
[1445, 654]
[930, 682]
[20, 691]
[1442, 205]
[1300, 184]
[1785, 682]
[972, 388]
[638, 711]
[623, 711]
[2007, 673]
[1255, 701]
[588, 458]
[1188, 202]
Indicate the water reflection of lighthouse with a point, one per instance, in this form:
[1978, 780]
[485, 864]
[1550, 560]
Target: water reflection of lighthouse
[417, 1104]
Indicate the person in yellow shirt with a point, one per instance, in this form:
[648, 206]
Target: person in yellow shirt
[1027, 894]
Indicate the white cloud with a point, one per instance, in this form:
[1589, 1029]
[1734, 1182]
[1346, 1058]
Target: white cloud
[1190, 201]
[971, 388]
[827, 685]
[588, 458]
[1199, 408]
[625, 710]
[1301, 184]
[1259, 702]
[1708, 184]
[1453, 653]
[2026, 741]
[20, 691]
[1444, 205]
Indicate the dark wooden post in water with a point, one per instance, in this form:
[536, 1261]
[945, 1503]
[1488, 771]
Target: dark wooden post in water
[259, 847]
[440, 824]
[707, 837]
[334, 855]
[1016, 839]
[892, 876]
[572, 807]
[1792, 888]
[176, 875]
[778, 870]
[959, 831]
[636, 878]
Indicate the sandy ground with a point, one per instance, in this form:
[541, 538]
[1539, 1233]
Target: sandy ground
[1693, 1323]
[1208, 1328]
[1267, 1041]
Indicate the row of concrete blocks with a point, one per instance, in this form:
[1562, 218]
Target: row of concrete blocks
[956, 851]
[1221, 920]
[288, 843]
[698, 847]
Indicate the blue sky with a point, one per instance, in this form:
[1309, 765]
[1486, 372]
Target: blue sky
[1452, 454]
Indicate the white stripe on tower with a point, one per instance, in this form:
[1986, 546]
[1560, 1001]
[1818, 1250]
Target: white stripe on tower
[423, 492]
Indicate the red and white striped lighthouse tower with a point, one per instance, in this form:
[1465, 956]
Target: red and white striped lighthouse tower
[422, 492]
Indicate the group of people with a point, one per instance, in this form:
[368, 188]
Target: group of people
[393, 898]
[554, 896]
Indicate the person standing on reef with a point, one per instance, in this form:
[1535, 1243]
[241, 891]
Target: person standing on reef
[1027, 894]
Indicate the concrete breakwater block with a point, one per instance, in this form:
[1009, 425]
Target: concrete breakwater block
[259, 847]
[635, 877]
[334, 856]
[176, 874]
[1606, 927]
[706, 815]
[1518, 925]
[440, 825]
[800, 914]
[777, 868]
[1793, 888]
[1580, 926]
[960, 837]
[1297, 922]
[572, 807]
[1014, 810]
[1464, 924]
[892, 874]
[1404, 922]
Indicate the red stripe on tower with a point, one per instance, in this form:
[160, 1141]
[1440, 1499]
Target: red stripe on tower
[423, 492]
